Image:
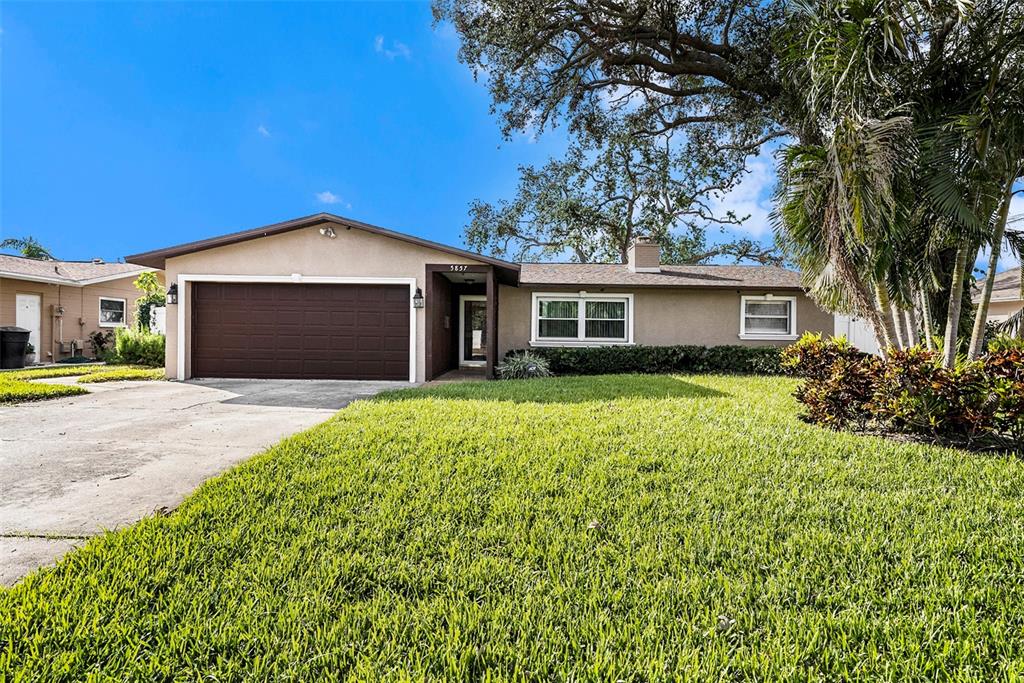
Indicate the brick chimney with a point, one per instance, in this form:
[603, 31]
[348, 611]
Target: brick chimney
[644, 256]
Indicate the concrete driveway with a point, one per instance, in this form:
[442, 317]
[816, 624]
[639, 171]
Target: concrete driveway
[73, 467]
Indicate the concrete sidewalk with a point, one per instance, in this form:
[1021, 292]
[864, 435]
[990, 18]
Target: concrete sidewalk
[72, 467]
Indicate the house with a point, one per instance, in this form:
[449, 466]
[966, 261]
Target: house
[62, 302]
[1006, 295]
[329, 297]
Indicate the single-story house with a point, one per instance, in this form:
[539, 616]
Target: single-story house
[62, 302]
[329, 297]
[1006, 295]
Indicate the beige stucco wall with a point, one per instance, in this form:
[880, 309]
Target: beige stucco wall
[81, 310]
[663, 317]
[999, 310]
[352, 253]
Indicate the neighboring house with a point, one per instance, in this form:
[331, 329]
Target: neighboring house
[62, 302]
[1006, 299]
[328, 297]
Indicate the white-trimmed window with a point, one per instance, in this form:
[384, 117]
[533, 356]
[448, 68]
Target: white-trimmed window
[566, 319]
[113, 312]
[768, 317]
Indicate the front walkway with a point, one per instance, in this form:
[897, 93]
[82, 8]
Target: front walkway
[72, 467]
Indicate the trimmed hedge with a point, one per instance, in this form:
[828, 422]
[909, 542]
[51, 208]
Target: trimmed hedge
[608, 360]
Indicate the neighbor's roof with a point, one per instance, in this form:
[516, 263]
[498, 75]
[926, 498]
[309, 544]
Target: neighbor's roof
[72, 273]
[158, 257]
[1006, 286]
[617, 274]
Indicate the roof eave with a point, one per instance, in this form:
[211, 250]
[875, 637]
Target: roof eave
[157, 258]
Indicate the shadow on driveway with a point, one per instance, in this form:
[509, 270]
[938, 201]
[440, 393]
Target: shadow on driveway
[296, 393]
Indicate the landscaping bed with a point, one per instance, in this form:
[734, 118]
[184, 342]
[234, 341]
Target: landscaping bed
[18, 386]
[639, 528]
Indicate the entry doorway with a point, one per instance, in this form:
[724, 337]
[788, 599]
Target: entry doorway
[472, 331]
[29, 315]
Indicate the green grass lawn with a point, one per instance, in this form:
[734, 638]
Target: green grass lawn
[17, 387]
[633, 528]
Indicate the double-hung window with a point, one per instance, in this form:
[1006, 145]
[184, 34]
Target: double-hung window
[112, 312]
[768, 317]
[582, 319]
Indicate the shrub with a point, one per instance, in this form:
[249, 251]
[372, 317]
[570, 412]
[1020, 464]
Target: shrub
[840, 397]
[813, 355]
[139, 347]
[978, 403]
[607, 360]
[1005, 342]
[102, 344]
[524, 365]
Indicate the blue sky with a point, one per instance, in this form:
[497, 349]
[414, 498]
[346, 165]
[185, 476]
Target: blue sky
[127, 126]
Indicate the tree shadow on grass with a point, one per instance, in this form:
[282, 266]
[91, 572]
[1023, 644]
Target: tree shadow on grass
[561, 389]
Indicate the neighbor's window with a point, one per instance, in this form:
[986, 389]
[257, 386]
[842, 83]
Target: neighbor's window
[582, 319]
[112, 312]
[768, 316]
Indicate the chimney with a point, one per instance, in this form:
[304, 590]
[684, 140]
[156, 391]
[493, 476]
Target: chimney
[644, 256]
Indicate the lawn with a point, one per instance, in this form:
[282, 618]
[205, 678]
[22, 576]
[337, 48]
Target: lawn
[633, 528]
[16, 387]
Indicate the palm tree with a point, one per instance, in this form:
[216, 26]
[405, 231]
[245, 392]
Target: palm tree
[28, 247]
[914, 105]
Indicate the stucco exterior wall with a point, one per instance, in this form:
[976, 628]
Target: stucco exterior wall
[664, 317]
[352, 253]
[1000, 310]
[81, 311]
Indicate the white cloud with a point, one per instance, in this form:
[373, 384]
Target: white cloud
[751, 197]
[397, 49]
[328, 197]
[262, 130]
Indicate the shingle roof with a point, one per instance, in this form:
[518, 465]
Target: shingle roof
[670, 276]
[64, 272]
[1006, 286]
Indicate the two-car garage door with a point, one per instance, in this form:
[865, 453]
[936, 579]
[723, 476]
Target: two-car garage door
[300, 331]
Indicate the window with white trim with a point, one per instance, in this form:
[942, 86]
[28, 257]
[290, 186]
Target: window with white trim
[581, 319]
[768, 316]
[112, 312]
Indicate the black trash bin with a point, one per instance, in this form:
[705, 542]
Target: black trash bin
[13, 341]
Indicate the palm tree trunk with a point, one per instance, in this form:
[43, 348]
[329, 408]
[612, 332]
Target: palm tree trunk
[956, 293]
[899, 322]
[926, 320]
[981, 314]
[885, 318]
[911, 322]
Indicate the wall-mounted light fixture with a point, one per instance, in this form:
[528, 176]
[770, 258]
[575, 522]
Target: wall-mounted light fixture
[172, 294]
[417, 298]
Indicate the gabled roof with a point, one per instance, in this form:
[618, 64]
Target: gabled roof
[507, 271]
[617, 274]
[1005, 286]
[71, 273]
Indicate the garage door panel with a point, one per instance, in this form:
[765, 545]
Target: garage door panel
[300, 331]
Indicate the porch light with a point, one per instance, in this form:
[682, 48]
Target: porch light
[417, 298]
[172, 294]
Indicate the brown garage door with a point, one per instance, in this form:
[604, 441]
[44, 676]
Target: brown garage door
[296, 331]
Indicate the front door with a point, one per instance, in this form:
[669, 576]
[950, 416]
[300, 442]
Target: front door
[29, 316]
[472, 331]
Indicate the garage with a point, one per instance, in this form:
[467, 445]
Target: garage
[274, 330]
